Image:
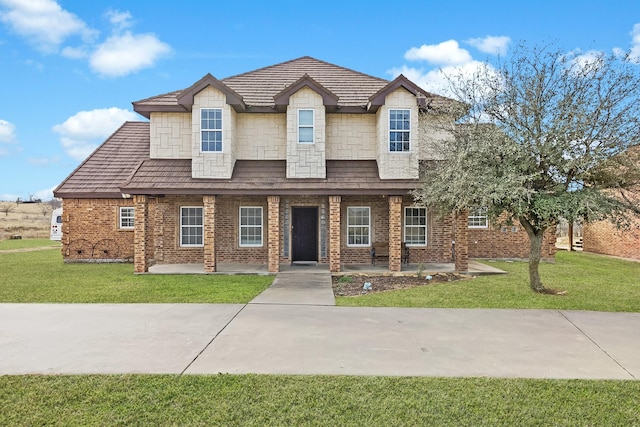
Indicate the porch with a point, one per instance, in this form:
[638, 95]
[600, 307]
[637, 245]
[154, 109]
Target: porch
[476, 268]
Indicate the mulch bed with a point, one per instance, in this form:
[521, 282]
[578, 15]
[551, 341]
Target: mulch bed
[354, 285]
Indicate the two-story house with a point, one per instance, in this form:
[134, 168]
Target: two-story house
[302, 161]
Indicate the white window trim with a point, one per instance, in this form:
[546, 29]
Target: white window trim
[313, 126]
[426, 227]
[221, 130]
[240, 226]
[351, 245]
[186, 245]
[485, 216]
[126, 227]
[389, 131]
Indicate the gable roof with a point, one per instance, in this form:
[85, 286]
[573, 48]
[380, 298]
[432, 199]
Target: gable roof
[110, 165]
[258, 88]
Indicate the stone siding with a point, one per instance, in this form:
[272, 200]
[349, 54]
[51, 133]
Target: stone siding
[306, 160]
[351, 137]
[170, 135]
[261, 136]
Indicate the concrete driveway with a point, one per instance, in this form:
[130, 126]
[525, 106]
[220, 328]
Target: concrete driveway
[313, 339]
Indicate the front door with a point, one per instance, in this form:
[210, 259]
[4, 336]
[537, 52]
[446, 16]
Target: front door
[304, 234]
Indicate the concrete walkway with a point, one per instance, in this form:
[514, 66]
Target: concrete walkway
[299, 287]
[271, 338]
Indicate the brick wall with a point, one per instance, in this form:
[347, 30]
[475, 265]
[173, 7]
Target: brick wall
[604, 238]
[91, 230]
[502, 241]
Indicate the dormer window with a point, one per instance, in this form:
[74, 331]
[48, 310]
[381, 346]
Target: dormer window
[305, 127]
[399, 130]
[211, 129]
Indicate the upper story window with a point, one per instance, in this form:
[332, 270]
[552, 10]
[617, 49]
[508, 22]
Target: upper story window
[415, 226]
[399, 130]
[478, 218]
[126, 217]
[211, 129]
[305, 126]
[358, 226]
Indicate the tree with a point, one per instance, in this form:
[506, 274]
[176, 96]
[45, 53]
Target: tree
[542, 136]
[7, 208]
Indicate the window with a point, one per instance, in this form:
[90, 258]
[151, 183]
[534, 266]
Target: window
[251, 226]
[305, 126]
[399, 130]
[415, 226]
[211, 129]
[191, 226]
[478, 218]
[126, 217]
[358, 226]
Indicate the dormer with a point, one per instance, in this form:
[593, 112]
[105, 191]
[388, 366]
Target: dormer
[213, 107]
[396, 107]
[306, 103]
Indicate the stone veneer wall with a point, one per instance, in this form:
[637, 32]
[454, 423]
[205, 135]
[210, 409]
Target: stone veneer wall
[351, 137]
[170, 136]
[306, 160]
[91, 226]
[604, 238]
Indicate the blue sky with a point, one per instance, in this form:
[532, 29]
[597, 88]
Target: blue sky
[69, 70]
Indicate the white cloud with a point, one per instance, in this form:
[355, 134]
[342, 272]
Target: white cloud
[7, 132]
[436, 80]
[128, 53]
[44, 195]
[120, 20]
[48, 26]
[635, 43]
[445, 53]
[43, 161]
[43, 22]
[81, 133]
[493, 45]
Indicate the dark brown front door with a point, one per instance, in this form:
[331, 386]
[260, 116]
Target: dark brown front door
[304, 234]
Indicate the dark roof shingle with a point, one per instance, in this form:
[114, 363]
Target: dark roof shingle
[110, 165]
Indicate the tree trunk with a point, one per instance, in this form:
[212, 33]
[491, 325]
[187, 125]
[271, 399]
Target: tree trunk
[570, 236]
[535, 250]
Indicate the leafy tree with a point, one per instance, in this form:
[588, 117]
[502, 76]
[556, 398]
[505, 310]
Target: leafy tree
[543, 135]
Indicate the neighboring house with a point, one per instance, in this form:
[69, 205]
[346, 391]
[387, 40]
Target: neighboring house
[302, 161]
[604, 237]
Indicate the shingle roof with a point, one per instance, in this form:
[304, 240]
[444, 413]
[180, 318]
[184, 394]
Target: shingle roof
[267, 177]
[110, 165]
[258, 88]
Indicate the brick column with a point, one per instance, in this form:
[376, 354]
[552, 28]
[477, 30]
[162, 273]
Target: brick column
[273, 237]
[334, 233]
[462, 241]
[209, 212]
[141, 226]
[395, 233]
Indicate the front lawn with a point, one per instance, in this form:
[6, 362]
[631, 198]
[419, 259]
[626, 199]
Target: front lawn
[593, 282]
[28, 243]
[264, 400]
[42, 277]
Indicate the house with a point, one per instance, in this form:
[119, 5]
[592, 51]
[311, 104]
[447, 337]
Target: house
[604, 237]
[302, 161]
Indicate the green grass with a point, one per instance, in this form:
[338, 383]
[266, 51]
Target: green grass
[42, 277]
[252, 400]
[592, 282]
[27, 243]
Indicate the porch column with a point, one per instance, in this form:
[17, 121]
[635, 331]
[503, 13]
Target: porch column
[334, 233]
[462, 241]
[395, 233]
[274, 233]
[140, 236]
[209, 203]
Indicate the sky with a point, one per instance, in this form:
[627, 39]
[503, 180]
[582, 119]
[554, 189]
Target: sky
[70, 69]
